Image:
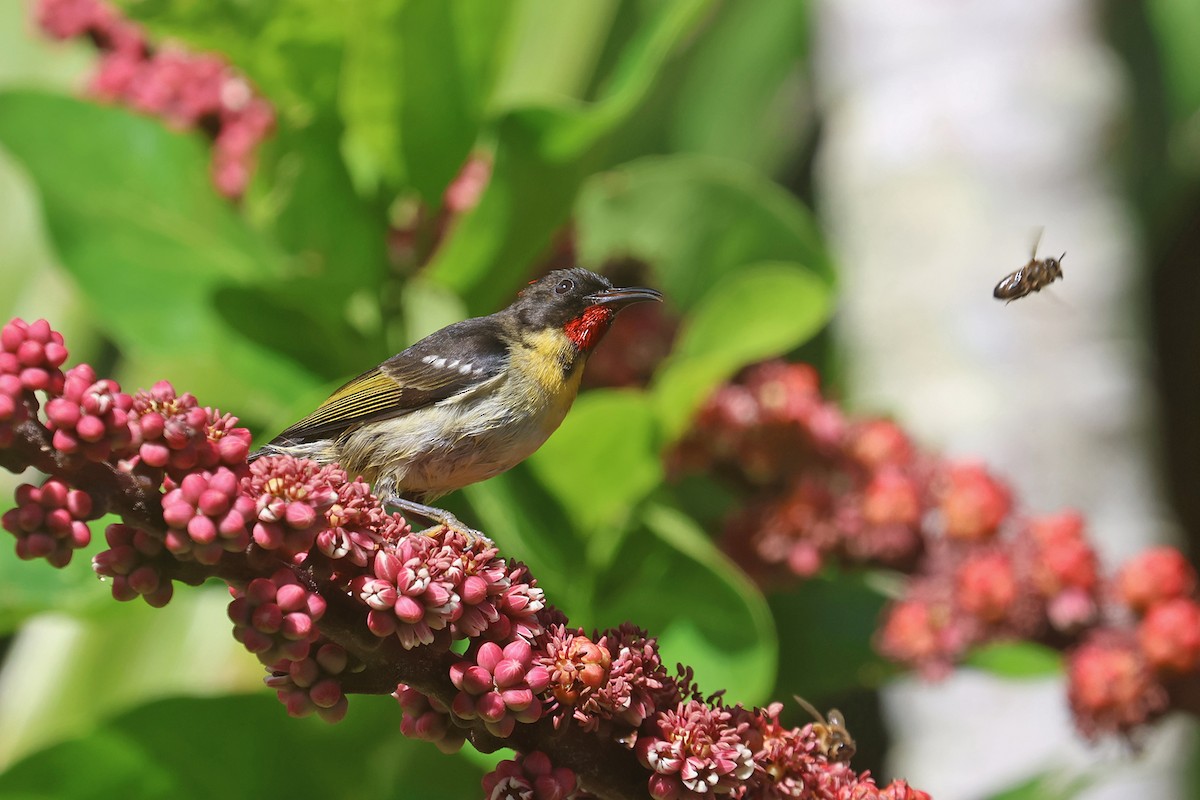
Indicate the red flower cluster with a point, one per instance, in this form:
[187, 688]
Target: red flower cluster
[188, 90]
[1119, 678]
[820, 487]
[335, 595]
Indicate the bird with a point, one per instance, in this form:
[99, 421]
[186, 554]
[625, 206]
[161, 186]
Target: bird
[467, 402]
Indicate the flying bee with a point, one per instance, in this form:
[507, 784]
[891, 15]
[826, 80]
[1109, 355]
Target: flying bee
[833, 740]
[1033, 277]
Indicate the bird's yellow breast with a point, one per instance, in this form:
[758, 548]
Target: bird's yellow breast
[477, 434]
[550, 369]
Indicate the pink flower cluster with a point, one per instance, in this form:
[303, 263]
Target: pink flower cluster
[1121, 678]
[710, 744]
[316, 566]
[49, 521]
[428, 719]
[423, 589]
[90, 417]
[499, 686]
[177, 434]
[819, 487]
[186, 89]
[313, 683]
[207, 515]
[276, 618]
[612, 682]
[530, 777]
[137, 563]
[30, 357]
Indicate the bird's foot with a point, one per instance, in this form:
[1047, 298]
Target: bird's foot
[443, 518]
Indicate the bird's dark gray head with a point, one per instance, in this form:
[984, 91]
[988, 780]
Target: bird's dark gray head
[576, 301]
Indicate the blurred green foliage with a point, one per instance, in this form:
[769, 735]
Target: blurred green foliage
[650, 129]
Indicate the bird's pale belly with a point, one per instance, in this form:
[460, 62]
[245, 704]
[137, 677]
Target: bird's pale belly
[433, 451]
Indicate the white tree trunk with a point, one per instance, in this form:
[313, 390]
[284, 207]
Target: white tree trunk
[954, 131]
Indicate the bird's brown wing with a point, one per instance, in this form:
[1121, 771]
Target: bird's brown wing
[448, 362]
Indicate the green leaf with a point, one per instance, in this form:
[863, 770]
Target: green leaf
[694, 219]
[1176, 24]
[182, 748]
[417, 77]
[554, 49]
[763, 310]
[1017, 660]
[705, 612]
[825, 629]
[542, 157]
[62, 677]
[101, 766]
[742, 95]
[28, 588]
[137, 223]
[603, 459]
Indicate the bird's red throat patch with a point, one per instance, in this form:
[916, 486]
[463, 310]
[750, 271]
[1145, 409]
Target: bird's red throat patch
[586, 330]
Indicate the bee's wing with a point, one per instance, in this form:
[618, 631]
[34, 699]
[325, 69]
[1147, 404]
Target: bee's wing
[433, 369]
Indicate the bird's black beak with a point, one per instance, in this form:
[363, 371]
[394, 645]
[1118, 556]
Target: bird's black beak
[619, 298]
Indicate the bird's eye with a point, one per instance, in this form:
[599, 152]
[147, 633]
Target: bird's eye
[564, 286]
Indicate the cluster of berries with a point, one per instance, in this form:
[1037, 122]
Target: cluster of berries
[188, 90]
[316, 567]
[821, 488]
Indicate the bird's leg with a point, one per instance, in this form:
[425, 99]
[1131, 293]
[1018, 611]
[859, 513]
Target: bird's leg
[390, 497]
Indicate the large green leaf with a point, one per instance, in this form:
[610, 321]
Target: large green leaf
[542, 157]
[182, 748]
[742, 95]
[705, 612]
[1176, 25]
[63, 674]
[825, 629]
[553, 52]
[336, 240]
[603, 459]
[135, 219]
[762, 310]
[417, 77]
[694, 219]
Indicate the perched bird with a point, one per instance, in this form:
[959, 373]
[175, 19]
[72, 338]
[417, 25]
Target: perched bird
[467, 402]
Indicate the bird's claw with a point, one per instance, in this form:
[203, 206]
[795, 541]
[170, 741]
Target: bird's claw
[444, 519]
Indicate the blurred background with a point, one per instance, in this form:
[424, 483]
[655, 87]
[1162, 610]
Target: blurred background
[298, 189]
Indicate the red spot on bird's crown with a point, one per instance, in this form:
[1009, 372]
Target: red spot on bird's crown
[586, 330]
